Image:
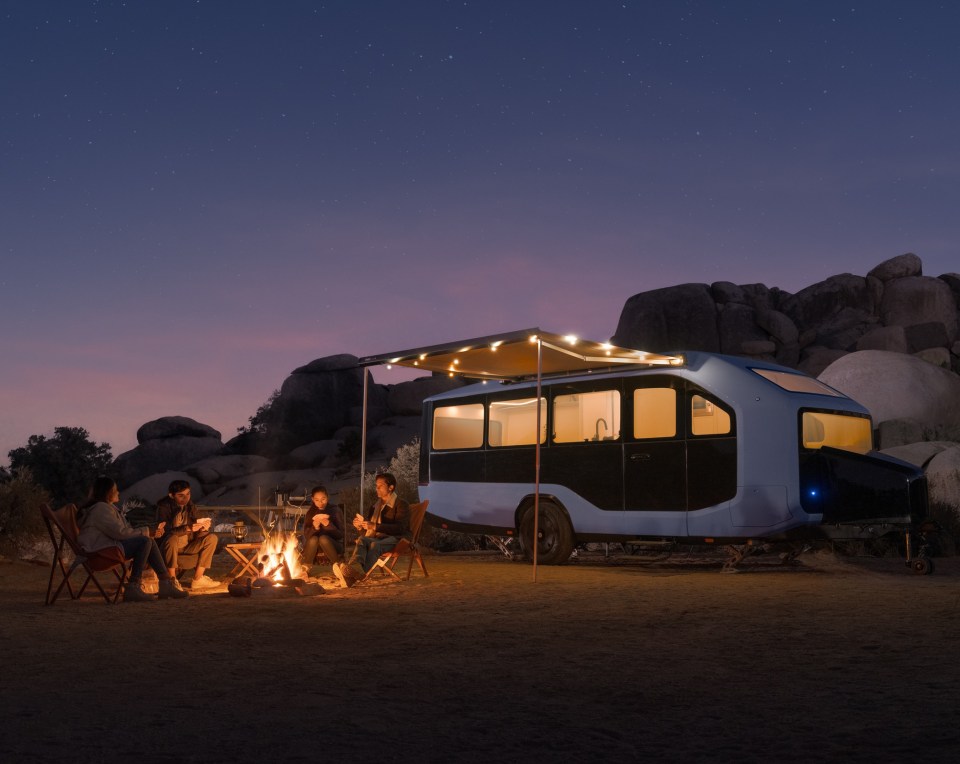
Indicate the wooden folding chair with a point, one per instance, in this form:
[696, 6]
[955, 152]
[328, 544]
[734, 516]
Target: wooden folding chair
[63, 530]
[411, 547]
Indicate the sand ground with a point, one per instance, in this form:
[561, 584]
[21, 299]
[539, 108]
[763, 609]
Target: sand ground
[620, 659]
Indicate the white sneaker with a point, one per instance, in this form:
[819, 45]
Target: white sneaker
[203, 582]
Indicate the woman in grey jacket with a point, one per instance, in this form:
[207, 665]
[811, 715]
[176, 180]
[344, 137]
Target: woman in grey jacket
[103, 525]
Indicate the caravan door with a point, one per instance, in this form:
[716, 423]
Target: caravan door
[654, 454]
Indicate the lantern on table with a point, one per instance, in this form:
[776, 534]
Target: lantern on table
[239, 531]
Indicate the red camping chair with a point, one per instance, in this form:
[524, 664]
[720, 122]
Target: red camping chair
[63, 530]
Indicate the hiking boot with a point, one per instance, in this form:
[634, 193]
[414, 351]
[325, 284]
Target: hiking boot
[170, 588]
[344, 574]
[203, 582]
[133, 592]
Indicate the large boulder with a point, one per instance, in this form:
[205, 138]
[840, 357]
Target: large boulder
[406, 398]
[169, 443]
[843, 329]
[218, 469]
[897, 268]
[816, 358]
[175, 427]
[892, 338]
[897, 386]
[154, 487]
[314, 402]
[919, 300]
[681, 317]
[736, 324]
[314, 454]
[816, 304]
[918, 454]
[943, 477]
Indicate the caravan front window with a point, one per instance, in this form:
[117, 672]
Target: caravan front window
[844, 431]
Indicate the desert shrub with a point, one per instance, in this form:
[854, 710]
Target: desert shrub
[258, 422]
[21, 525]
[404, 466]
[448, 541]
[139, 511]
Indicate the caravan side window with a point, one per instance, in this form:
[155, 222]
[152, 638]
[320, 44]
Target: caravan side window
[514, 423]
[708, 417]
[583, 417]
[654, 412]
[458, 426]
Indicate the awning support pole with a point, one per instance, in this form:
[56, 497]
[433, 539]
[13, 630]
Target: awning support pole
[536, 476]
[363, 446]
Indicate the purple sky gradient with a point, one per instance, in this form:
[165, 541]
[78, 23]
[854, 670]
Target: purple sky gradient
[199, 197]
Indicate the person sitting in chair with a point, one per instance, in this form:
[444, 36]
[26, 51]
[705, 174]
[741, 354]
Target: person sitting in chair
[102, 525]
[322, 531]
[186, 539]
[385, 522]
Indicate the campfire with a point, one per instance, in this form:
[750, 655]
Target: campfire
[278, 560]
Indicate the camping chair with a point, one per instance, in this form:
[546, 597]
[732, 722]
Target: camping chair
[63, 530]
[411, 547]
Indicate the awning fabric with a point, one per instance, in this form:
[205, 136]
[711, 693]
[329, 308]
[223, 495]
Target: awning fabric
[513, 356]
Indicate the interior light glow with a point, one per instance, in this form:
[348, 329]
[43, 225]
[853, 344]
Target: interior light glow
[389, 366]
[533, 338]
[423, 356]
[570, 339]
[395, 360]
[606, 346]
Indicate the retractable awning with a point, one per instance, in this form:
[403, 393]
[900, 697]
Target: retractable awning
[514, 355]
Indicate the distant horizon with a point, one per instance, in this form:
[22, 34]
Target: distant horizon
[397, 374]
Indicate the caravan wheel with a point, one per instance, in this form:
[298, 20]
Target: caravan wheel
[555, 536]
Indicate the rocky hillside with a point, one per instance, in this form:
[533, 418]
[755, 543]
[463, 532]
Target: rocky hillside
[888, 339]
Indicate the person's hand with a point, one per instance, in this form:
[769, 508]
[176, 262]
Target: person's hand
[324, 519]
[159, 531]
[196, 527]
[316, 521]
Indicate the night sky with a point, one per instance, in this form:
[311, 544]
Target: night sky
[198, 197]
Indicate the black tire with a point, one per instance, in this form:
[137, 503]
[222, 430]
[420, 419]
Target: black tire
[555, 534]
[922, 566]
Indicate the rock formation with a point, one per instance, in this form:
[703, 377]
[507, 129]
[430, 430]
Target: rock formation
[894, 307]
[890, 340]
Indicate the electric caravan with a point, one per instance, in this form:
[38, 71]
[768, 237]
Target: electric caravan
[568, 441]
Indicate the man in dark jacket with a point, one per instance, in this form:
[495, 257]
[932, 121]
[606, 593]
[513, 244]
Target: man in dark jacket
[185, 539]
[383, 525]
